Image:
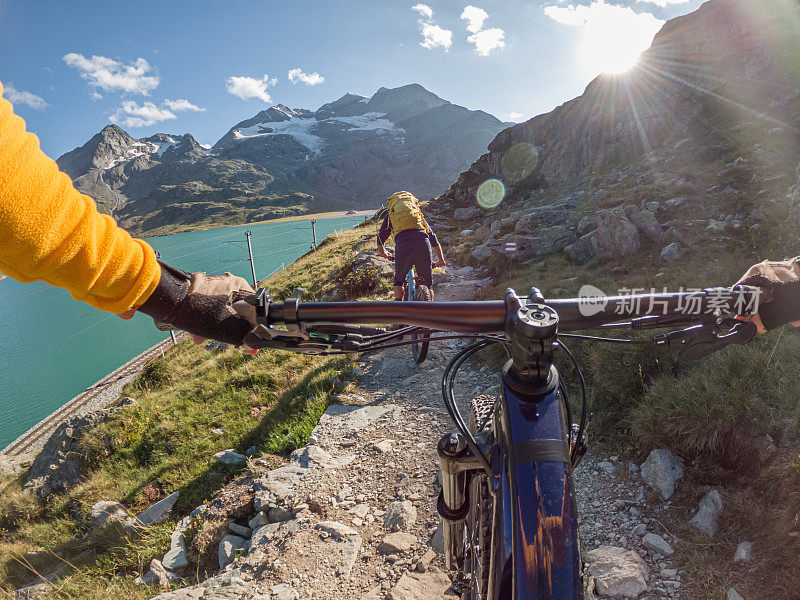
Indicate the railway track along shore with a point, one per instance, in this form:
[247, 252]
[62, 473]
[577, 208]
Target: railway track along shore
[99, 395]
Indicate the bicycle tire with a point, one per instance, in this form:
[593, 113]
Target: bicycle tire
[479, 518]
[420, 350]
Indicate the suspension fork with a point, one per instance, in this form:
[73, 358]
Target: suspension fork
[456, 461]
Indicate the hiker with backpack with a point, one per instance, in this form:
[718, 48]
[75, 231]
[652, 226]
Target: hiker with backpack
[413, 239]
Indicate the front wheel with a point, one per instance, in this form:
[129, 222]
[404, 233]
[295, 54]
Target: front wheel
[420, 349]
[478, 524]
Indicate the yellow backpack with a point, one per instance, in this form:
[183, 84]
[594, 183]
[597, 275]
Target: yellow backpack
[405, 212]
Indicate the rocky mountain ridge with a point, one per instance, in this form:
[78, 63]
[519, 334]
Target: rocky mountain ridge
[350, 153]
[699, 141]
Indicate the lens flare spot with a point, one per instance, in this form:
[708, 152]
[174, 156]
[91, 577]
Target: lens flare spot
[491, 193]
[520, 161]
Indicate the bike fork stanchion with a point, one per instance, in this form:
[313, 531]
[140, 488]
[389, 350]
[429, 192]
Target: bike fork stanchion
[452, 505]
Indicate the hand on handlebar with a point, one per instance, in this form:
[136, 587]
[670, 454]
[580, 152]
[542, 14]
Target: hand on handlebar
[779, 302]
[205, 306]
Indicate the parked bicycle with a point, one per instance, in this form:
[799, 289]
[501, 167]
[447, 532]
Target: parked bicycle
[507, 502]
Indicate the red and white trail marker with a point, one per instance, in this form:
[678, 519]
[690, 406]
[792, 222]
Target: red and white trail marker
[511, 246]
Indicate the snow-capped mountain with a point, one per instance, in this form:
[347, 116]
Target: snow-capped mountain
[351, 153]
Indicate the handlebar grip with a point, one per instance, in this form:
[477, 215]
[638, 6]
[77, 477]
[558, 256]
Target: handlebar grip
[784, 305]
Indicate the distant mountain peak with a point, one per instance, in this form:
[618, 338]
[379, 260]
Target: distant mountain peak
[349, 152]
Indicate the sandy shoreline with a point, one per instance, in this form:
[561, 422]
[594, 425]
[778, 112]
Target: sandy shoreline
[294, 218]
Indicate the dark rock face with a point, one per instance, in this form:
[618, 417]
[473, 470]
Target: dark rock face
[351, 153]
[703, 129]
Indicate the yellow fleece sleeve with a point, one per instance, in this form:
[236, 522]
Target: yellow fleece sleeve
[51, 232]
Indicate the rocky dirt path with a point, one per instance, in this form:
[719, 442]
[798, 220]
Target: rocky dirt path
[352, 516]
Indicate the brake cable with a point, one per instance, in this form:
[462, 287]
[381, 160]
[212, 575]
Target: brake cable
[383, 346]
[595, 338]
[448, 381]
[584, 402]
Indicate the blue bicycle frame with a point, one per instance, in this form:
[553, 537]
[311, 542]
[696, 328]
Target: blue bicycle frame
[534, 551]
[535, 546]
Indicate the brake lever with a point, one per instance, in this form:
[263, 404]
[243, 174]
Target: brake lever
[701, 340]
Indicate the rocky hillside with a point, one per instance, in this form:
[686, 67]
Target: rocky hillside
[350, 153]
[700, 139]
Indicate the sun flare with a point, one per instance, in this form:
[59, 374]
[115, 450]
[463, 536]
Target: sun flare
[611, 54]
[611, 37]
[614, 39]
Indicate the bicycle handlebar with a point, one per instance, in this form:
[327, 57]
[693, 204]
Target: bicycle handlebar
[489, 316]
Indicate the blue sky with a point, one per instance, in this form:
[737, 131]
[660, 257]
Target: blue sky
[71, 68]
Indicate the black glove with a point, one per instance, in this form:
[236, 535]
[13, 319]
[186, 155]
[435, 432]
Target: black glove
[200, 304]
[779, 301]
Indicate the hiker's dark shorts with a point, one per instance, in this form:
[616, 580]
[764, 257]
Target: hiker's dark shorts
[412, 248]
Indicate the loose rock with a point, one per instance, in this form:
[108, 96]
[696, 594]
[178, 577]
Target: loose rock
[230, 457]
[159, 511]
[400, 516]
[421, 586]
[656, 544]
[397, 543]
[228, 547]
[618, 572]
[744, 552]
[705, 519]
[661, 471]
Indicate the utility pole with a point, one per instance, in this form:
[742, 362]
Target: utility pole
[314, 231]
[172, 335]
[247, 234]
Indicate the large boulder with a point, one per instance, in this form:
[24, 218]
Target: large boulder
[369, 259]
[584, 249]
[467, 213]
[647, 225]
[482, 252]
[62, 462]
[618, 572]
[671, 252]
[616, 234]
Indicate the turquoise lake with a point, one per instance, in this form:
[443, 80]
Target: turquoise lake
[52, 348]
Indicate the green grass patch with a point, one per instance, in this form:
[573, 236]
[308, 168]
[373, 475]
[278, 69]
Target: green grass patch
[188, 406]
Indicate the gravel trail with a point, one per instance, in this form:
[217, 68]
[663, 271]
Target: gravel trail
[353, 514]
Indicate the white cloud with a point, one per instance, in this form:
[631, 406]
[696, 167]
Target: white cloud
[663, 3]
[130, 114]
[474, 17]
[433, 36]
[112, 75]
[436, 37]
[424, 10]
[487, 40]
[248, 88]
[297, 74]
[16, 96]
[96, 96]
[182, 105]
[515, 116]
